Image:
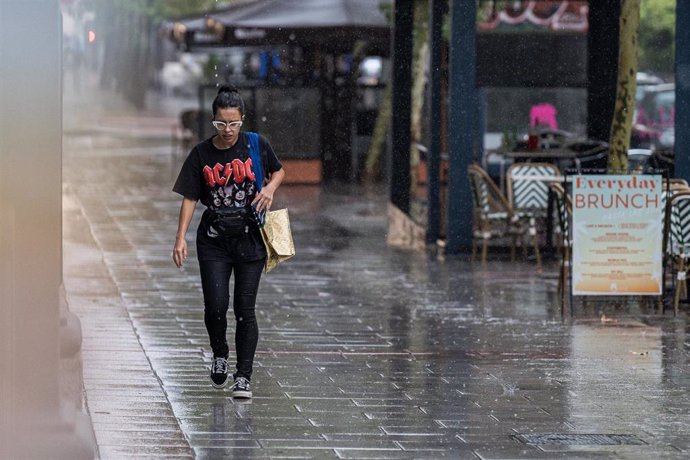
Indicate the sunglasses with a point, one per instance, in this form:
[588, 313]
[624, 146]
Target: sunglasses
[221, 125]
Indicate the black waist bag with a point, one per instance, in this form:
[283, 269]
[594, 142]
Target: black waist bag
[231, 222]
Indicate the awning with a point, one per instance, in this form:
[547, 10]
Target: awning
[331, 25]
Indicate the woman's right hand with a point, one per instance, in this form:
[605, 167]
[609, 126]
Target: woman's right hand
[180, 251]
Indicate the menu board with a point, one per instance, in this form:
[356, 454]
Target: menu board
[617, 234]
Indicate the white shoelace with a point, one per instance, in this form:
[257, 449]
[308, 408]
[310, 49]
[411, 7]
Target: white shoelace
[220, 366]
[241, 382]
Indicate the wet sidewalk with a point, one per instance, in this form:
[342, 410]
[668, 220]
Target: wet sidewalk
[365, 351]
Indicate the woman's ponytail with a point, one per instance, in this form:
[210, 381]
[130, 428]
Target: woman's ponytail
[228, 97]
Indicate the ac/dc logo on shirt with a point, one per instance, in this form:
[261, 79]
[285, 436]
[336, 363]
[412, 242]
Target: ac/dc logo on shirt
[237, 170]
[232, 184]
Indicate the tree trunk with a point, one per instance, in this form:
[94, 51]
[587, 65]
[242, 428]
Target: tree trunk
[419, 77]
[625, 90]
[419, 60]
[378, 137]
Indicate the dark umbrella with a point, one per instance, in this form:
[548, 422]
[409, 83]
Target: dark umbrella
[332, 25]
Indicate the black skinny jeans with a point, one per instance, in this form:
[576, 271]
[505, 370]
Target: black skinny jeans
[215, 281]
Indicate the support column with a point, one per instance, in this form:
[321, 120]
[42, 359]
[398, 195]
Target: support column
[437, 10]
[461, 124]
[602, 67]
[682, 117]
[401, 105]
[35, 422]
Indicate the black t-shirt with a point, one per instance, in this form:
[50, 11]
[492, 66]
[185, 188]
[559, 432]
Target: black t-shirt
[224, 179]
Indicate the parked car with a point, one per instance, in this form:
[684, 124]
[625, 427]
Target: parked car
[654, 118]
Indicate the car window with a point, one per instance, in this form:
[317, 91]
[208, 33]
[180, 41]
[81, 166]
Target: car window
[666, 99]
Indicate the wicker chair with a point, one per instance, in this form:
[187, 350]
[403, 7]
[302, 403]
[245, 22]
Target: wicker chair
[677, 242]
[564, 208]
[528, 194]
[185, 133]
[493, 215]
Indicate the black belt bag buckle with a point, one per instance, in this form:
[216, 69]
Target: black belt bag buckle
[230, 223]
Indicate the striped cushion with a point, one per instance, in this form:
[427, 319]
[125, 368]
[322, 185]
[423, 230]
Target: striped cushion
[679, 224]
[529, 193]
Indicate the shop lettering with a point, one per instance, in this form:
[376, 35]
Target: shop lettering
[620, 184]
[615, 201]
[236, 170]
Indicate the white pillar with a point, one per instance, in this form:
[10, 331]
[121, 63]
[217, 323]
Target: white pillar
[37, 420]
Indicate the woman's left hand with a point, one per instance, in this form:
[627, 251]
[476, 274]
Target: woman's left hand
[264, 198]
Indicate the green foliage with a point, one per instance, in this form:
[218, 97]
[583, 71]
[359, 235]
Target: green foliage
[179, 8]
[657, 35]
[387, 10]
[158, 10]
[486, 8]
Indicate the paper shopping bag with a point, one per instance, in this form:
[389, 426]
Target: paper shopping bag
[277, 238]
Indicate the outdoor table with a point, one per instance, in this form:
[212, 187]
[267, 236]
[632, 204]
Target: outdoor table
[555, 155]
[571, 155]
[549, 155]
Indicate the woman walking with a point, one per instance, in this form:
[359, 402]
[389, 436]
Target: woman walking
[236, 183]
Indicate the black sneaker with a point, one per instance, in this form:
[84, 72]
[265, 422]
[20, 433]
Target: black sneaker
[219, 372]
[241, 388]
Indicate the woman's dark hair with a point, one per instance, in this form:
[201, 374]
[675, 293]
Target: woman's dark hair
[228, 97]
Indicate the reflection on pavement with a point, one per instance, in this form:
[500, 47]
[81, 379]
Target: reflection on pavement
[614, 369]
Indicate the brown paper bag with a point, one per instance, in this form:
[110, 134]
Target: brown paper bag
[277, 238]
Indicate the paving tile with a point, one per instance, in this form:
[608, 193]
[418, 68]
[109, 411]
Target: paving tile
[124, 451]
[135, 441]
[231, 443]
[421, 430]
[371, 453]
[262, 453]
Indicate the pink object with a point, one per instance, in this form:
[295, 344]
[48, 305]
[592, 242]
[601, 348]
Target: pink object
[543, 114]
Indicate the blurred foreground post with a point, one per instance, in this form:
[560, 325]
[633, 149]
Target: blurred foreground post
[40, 403]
